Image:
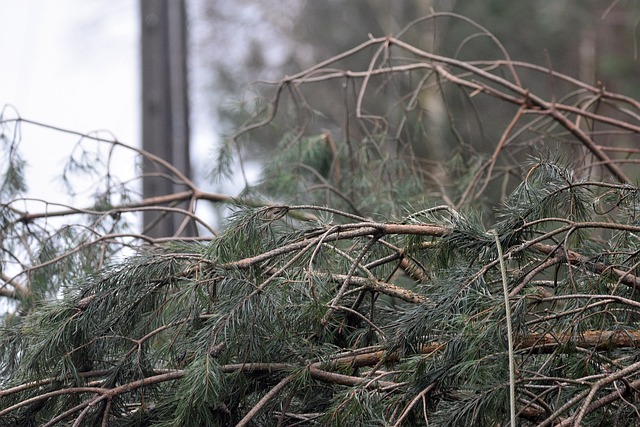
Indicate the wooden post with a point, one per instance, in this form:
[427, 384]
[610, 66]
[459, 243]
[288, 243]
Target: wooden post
[165, 104]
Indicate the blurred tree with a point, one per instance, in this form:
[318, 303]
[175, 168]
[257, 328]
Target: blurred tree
[165, 103]
[593, 41]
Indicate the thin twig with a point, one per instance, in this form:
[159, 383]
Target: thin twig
[507, 310]
[265, 399]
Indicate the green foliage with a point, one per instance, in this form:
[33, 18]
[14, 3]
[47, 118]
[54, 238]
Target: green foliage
[200, 395]
[229, 321]
[372, 292]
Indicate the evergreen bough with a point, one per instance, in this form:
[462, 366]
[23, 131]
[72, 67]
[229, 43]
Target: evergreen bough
[356, 283]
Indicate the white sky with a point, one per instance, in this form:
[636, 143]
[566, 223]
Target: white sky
[75, 64]
[72, 64]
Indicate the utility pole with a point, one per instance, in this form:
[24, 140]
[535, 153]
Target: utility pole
[165, 105]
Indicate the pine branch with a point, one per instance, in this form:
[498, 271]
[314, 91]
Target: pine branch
[508, 320]
[343, 232]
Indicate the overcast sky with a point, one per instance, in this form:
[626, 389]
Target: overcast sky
[72, 64]
[75, 64]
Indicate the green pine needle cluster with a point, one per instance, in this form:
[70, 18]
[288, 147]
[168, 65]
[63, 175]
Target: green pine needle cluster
[227, 321]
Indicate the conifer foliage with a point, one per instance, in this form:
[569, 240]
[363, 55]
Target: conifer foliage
[451, 241]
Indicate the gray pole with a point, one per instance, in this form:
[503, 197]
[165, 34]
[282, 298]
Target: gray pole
[165, 104]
